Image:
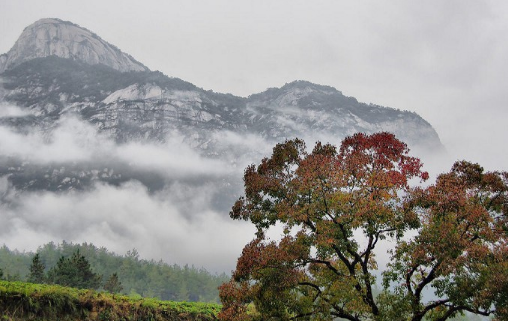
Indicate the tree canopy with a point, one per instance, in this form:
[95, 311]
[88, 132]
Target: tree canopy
[74, 271]
[37, 270]
[337, 206]
[113, 284]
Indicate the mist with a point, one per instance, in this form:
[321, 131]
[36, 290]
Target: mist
[443, 60]
[127, 217]
[183, 219]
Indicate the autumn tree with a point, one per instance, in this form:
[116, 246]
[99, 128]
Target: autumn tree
[461, 249]
[335, 207]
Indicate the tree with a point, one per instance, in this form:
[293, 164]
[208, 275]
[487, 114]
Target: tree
[113, 284]
[36, 270]
[1, 274]
[461, 249]
[75, 272]
[323, 269]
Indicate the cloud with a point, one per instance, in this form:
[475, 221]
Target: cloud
[76, 141]
[71, 141]
[247, 148]
[444, 60]
[126, 217]
[173, 158]
[8, 110]
[185, 221]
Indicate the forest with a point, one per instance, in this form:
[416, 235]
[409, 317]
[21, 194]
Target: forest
[137, 277]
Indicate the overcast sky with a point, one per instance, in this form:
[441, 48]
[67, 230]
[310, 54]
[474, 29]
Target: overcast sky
[445, 60]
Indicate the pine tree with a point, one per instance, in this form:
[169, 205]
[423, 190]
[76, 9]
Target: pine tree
[74, 272]
[37, 270]
[113, 284]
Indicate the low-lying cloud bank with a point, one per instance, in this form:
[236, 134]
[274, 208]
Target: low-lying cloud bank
[74, 141]
[126, 217]
[184, 221]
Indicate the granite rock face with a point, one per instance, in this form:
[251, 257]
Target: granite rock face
[57, 70]
[54, 37]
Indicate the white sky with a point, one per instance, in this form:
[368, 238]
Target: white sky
[445, 60]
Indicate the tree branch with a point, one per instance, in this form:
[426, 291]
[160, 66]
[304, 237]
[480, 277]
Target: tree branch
[435, 304]
[430, 277]
[452, 309]
[340, 311]
[328, 265]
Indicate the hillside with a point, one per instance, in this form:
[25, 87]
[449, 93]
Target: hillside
[25, 301]
[139, 278]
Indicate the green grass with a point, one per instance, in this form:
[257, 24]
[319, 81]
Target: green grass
[27, 301]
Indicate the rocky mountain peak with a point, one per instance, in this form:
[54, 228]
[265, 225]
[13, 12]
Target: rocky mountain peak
[307, 85]
[292, 92]
[55, 37]
[297, 95]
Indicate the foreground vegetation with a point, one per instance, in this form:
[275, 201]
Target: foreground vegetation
[27, 301]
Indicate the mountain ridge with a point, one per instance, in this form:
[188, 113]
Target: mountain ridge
[54, 85]
[145, 106]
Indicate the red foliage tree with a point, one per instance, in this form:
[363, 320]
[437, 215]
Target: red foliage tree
[461, 249]
[324, 200]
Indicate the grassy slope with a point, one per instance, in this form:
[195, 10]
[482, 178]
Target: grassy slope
[26, 301]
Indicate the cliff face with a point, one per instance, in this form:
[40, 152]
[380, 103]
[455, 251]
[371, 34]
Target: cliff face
[148, 105]
[305, 109]
[54, 37]
[57, 69]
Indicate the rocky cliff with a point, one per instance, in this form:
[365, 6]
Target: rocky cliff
[54, 37]
[57, 69]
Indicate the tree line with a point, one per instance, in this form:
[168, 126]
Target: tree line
[73, 271]
[87, 266]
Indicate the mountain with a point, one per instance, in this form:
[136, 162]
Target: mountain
[57, 69]
[54, 37]
[301, 107]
